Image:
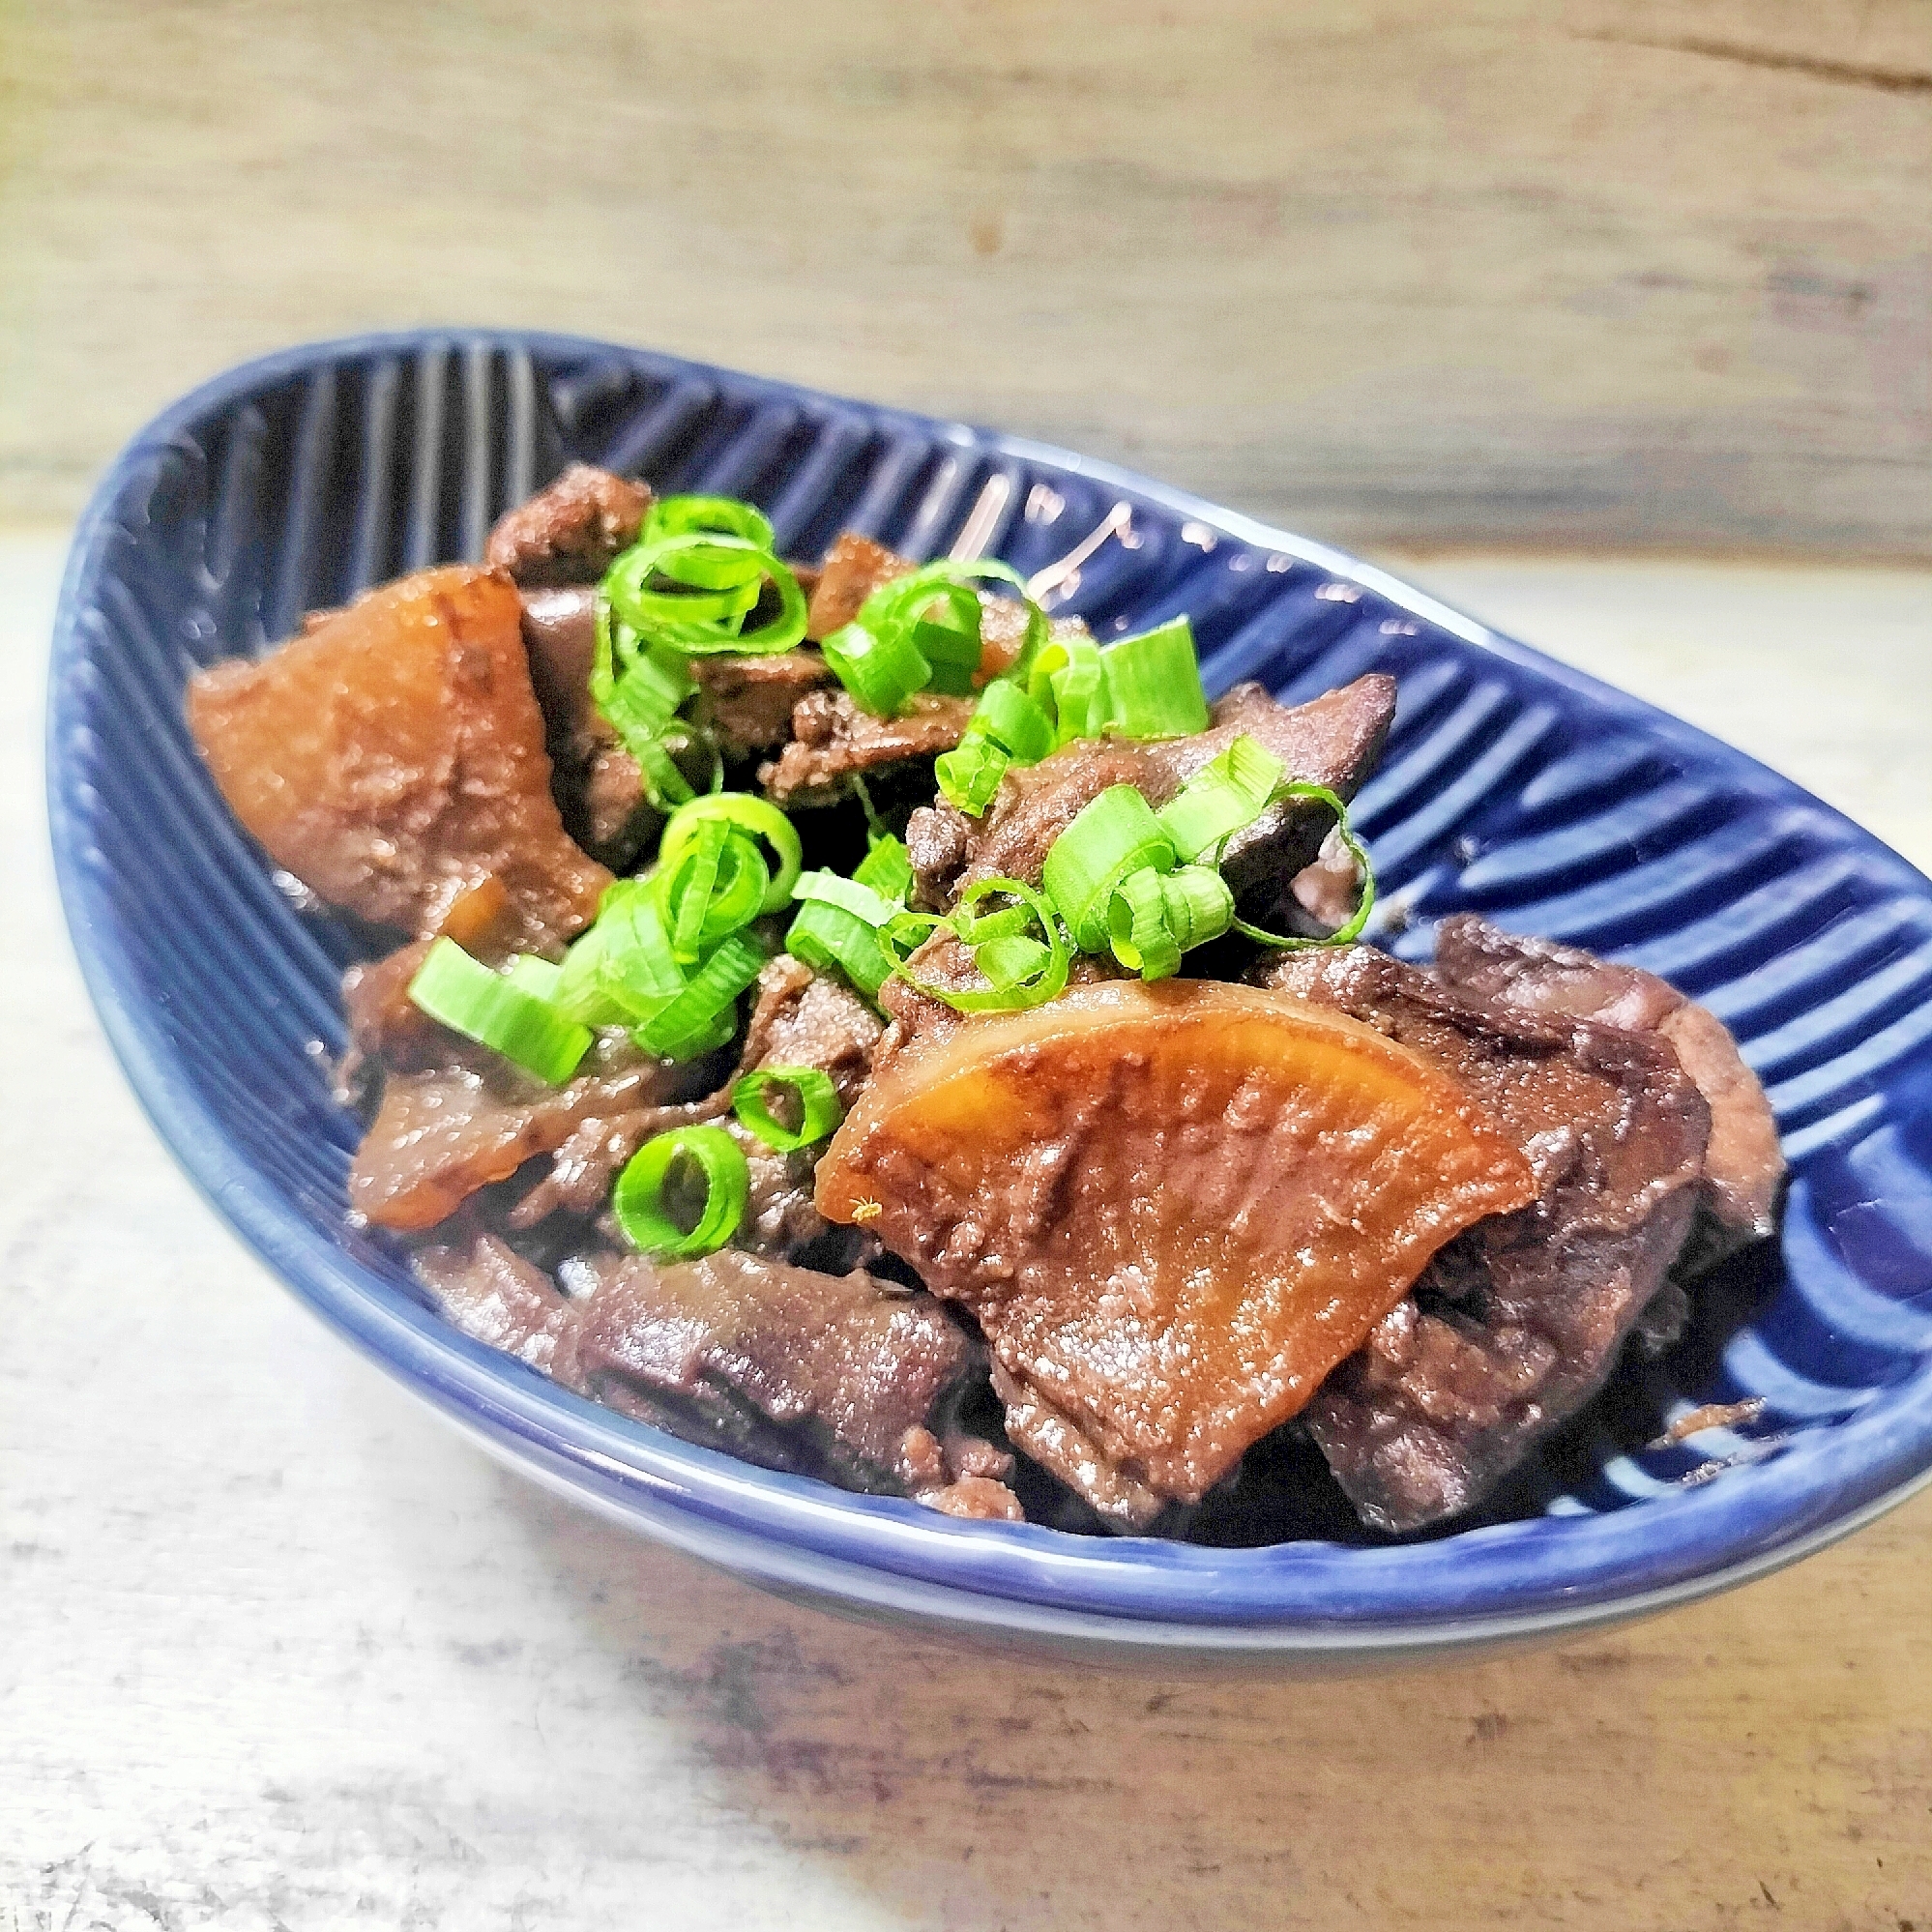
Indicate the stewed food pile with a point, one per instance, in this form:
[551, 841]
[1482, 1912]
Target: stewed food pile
[853, 1019]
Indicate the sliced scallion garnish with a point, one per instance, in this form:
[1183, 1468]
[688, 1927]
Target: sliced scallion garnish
[1356, 850]
[1153, 684]
[689, 1024]
[837, 926]
[1020, 970]
[881, 668]
[536, 976]
[755, 815]
[704, 622]
[1225, 796]
[968, 777]
[1111, 837]
[816, 1104]
[640, 1202]
[465, 996]
[1153, 918]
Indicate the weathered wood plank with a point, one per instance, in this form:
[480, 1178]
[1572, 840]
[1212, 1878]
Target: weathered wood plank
[1620, 271]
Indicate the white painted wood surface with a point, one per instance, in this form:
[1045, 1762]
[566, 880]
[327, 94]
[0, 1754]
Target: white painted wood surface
[278, 1651]
[1623, 270]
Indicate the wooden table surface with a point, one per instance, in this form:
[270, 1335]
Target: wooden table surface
[1608, 271]
[280, 1651]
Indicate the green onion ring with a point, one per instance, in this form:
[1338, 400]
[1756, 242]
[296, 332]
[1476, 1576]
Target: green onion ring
[968, 776]
[1225, 796]
[688, 1025]
[465, 996]
[1153, 684]
[758, 816]
[714, 515]
[819, 1108]
[1111, 837]
[638, 1200]
[1355, 849]
[1045, 982]
[705, 623]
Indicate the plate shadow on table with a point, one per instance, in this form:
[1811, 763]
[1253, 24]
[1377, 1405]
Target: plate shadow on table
[966, 1790]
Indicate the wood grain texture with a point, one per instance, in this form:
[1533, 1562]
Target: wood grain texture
[1603, 270]
[278, 1651]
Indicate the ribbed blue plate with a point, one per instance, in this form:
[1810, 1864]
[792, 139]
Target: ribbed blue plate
[1511, 785]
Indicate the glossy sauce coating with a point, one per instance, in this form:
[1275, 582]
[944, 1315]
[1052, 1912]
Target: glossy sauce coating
[1172, 1209]
[392, 757]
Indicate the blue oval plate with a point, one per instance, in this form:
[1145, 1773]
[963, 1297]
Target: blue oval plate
[1510, 785]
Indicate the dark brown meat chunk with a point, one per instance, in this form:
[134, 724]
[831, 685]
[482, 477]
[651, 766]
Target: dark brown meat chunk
[832, 740]
[385, 1024]
[744, 707]
[744, 702]
[853, 568]
[800, 1020]
[442, 1134]
[1535, 1306]
[748, 703]
[841, 1369]
[560, 634]
[492, 1294]
[1743, 1167]
[392, 759]
[598, 785]
[1334, 741]
[569, 531]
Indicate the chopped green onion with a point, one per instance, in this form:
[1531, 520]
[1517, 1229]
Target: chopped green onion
[837, 926]
[1069, 681]
[968, 776]
[1111, 837]
[923, 629]
[1020, 970]
[1013, 961]
[818, 1108]
[1153, 684]
[639, 967]
[1356, 850]
[1014, 721]
[465, 996]
[881, 669]
[664, 785]
[718, 581]
[838, 920]
[854, 897]
[1225, 796]
[643, 1212]
[640, 704]
[717, 516]
[715, 884]
[538, 978]
[1137, 927]
[688, 1024]
[1153, 918]
[828, 938]
[886, 868]
[875, 826]
[950, 644]
[583, 994]
[755, 815]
